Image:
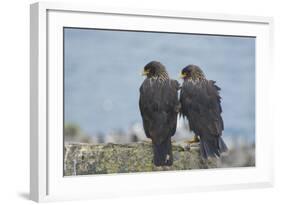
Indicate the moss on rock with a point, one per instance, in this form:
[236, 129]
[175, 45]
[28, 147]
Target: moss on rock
[84, 159]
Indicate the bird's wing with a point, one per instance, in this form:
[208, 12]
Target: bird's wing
[158, 106]
[200, 103]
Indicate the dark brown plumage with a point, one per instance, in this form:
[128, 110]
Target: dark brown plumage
[159, 106]
[201, 105]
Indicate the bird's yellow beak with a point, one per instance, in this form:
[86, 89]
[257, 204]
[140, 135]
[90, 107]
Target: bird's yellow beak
[182, 75]
[144, 72]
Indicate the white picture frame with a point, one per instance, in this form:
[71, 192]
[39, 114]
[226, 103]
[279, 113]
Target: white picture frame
[46, 143]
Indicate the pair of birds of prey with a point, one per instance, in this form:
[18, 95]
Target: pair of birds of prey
[199, 102]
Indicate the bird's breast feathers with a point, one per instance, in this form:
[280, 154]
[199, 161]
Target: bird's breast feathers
[158, 82]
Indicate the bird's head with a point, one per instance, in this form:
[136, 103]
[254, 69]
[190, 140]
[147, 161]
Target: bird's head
[192, 72]
[154, 69]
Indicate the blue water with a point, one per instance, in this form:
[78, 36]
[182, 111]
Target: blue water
[102, 75]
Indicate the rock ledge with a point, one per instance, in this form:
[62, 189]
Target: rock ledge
[84, 159]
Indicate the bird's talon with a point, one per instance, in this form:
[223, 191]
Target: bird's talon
[195, 139]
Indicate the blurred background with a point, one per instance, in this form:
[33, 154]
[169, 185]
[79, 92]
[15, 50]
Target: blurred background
[102, 76]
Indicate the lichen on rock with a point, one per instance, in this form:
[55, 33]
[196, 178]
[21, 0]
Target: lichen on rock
[86, 159]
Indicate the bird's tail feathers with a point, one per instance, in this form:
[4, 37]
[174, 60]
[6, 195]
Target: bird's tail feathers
[163, 155]
[212, 148]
